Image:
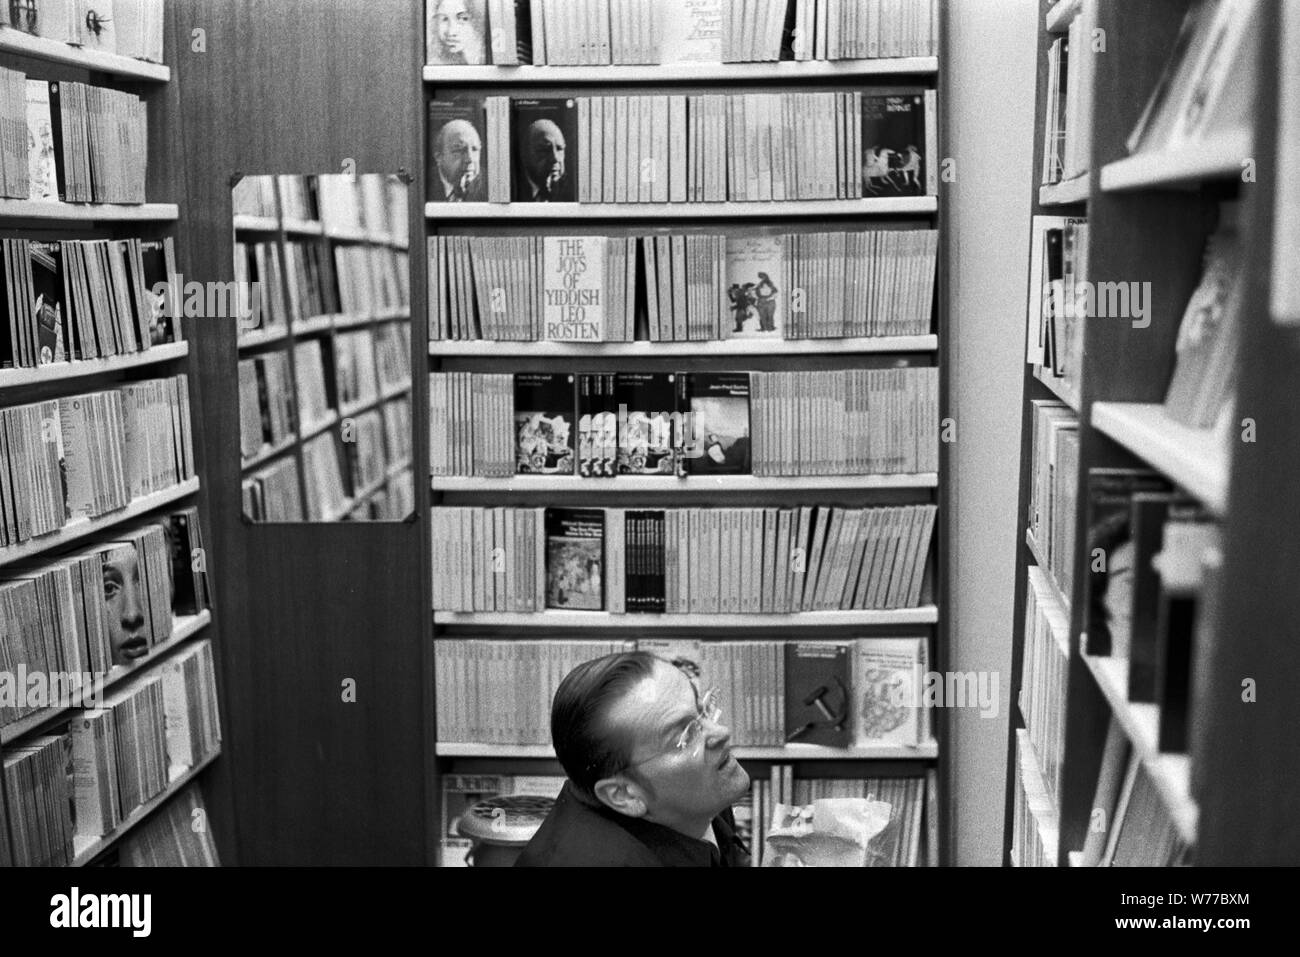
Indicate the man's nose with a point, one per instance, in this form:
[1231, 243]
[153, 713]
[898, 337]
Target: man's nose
[717, 734]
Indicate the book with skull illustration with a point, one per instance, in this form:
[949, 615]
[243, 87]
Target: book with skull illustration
[544, 420]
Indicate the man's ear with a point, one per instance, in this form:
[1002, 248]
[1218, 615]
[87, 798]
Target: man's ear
[619, 794]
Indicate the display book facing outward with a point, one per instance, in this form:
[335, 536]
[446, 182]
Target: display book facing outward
[1140, 399]
[541, 408]
[108, 707]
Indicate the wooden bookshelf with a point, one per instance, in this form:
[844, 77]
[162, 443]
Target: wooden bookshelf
[1228, 794]
[608, 74]
[448, 348]
[837, 208]
[80, 529]
[859, 490]
[603, 620]
[1041, 561]
[183, 628]
[16, 42]
[1060, 13]
[85, 368]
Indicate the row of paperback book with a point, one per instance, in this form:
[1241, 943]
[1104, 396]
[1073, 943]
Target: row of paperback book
[825, 422]
[1045, 665]
[372, 202]
[680, 561]
[869, 687]
[1035, 820]
[1144, 609]
[1053, 496]
[66, 300]
[679, 148]
[66, 790]
[83, 144]
[596, 32]
[170, 838]
[82, 456]
[676, 287]
[382, 482]
[774, 799]
[129, 28]
[74, 618]
[364, 281]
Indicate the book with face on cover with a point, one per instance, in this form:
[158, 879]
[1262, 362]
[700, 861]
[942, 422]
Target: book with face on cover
[575, 558]
[544, 423]
[456, 32]
[714, 423]
[544, 137]
[458, 151]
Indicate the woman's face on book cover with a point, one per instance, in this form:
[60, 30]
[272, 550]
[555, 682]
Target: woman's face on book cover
[124, 602]
[453, 25]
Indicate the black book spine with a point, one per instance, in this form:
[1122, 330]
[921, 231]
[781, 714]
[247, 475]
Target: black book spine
[56, 127]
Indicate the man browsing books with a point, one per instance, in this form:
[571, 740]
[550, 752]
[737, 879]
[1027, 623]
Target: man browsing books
[651, 775]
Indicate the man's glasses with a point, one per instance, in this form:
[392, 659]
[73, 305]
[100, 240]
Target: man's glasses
[691, 741]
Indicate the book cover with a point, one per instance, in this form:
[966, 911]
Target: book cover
[48, 289]
[893, 144]
[756, 292]
[575, 558]
[573, 288]
[684, 654]
[646, 403]
[42, 175]
[456, 32]
[458, 158]
[688, 31]
[714, 423]
[887, 690]
[544, 420]
[157, 259]
[544, 138]
[818, 705]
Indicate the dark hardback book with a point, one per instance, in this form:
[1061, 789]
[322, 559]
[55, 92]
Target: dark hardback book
[158, 263]
[188, 563]
[575, 558]
[1107, 608]
[817, 704]
[458, 151]
[1149, 512]
[1190, 541]
[714, 423]
[544, 137]
[544, 423]
[647, 579]
[647, 403]
[893, 144]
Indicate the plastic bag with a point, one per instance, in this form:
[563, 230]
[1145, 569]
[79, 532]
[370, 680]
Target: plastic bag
[830, 832]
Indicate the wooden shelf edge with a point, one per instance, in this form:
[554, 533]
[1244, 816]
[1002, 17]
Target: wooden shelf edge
[99, 845]
[56, 51]
[1216, 157]
[1057, 386]
[84, 368]
[1041, 562]
[725, 210]
[1171, 773]
[1193, 459]
[714, 347]
[87, 212]
[1060, 15]
[602, 620]
[665, 72]
[797, 752]
[1066, 192]
[667, 483]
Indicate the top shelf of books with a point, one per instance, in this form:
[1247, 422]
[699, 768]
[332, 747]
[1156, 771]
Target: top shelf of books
[680, 72]
[56, 51]
[882, 206]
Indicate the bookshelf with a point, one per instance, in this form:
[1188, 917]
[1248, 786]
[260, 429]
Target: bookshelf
[274, 235]
[1226, 793]
[455, 756]
[156, 220]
